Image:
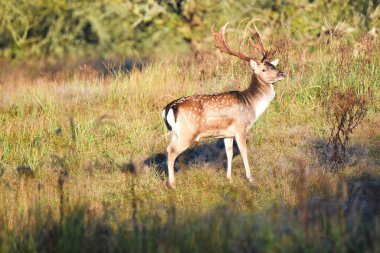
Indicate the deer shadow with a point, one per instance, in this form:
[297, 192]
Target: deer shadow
[211, 155]
[355, 153]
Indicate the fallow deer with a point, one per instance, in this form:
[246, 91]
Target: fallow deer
[226, 115]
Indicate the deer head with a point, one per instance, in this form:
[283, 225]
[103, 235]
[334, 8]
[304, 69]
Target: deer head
[262, 66]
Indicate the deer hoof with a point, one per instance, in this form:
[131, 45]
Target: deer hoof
[170, 185]
[250, 179]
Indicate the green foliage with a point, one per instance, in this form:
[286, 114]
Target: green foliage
[60, 28]
[68, 139]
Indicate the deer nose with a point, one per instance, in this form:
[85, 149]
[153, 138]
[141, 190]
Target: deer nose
[282, 74]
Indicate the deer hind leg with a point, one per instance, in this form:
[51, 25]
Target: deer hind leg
[228, 143]
[174, 149]
[241, 140]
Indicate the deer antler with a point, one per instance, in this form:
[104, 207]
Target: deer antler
[220, 43]
[260, 47]
[259, 44]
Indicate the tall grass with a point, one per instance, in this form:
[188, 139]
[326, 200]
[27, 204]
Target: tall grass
[68, 142]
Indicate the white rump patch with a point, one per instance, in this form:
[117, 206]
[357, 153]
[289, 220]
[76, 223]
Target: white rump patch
[170, 118]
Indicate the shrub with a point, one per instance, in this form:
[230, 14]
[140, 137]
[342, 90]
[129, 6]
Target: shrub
[345, 111]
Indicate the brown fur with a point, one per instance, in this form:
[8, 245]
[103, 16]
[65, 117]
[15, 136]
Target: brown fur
[225, 115]
[222, 115]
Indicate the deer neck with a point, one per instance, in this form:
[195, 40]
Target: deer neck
[258, 88]
[259, 94]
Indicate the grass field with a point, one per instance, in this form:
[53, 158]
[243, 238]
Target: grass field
[82, 159]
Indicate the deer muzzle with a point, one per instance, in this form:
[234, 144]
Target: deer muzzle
[282, 75]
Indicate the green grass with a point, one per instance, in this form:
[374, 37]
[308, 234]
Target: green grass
[93, 127]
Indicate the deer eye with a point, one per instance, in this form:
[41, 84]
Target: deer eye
[264, 70]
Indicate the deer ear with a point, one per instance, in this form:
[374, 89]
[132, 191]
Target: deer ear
[274, 62]
[253, 64]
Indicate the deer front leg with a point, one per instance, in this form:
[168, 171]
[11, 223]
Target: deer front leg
[228, 143]
[241, 140]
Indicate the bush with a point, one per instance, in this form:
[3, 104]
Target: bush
[345, 111]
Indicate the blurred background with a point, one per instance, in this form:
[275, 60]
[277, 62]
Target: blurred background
[56, 29]
[82, 140]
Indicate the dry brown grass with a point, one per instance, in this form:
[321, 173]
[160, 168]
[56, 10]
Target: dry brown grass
[79, 134]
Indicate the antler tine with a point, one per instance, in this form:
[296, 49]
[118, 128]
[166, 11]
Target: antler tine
[271, 53]
[259, 44]
[220, 43]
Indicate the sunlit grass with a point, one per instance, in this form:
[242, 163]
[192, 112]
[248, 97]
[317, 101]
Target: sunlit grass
[95, 128]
